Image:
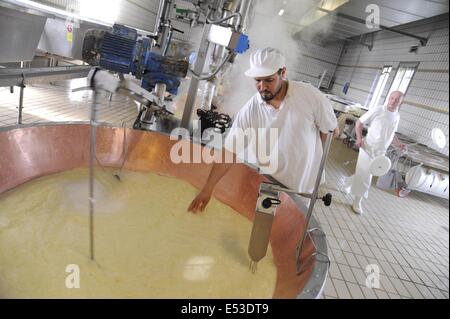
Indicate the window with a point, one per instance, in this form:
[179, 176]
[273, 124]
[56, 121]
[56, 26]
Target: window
[380, 85]
[403, 78]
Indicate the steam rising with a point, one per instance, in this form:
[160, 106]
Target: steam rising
[265, 29]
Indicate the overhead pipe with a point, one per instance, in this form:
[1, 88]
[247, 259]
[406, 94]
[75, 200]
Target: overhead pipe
[244, 10]
[158, 17]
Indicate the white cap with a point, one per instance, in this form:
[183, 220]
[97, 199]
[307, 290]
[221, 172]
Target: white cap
[265, 62]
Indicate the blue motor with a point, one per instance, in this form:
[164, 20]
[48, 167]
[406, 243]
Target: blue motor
[124, 52]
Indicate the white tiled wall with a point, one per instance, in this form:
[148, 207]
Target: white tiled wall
[314, 59]
[427, 99]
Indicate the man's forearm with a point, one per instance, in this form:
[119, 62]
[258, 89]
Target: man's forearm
[323, 137]
[216, 174]
[396, 141]
[358, 130]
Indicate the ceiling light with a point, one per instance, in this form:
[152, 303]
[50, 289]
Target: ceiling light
[281, 12]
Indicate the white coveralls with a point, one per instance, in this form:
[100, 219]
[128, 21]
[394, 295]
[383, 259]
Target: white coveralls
[304, 113]
[383, 125]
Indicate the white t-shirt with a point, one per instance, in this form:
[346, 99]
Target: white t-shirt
[383, 125]
[295, 158]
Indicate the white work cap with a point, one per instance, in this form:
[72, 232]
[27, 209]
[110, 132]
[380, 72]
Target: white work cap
[265, 62]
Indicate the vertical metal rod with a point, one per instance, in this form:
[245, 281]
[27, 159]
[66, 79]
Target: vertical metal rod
[193, 88]
[167, 44]
[244, 10]
[322, 77]
[314, 196]
[93, 141]
[19, 118]
[164, 24]
[22, 87]
[162, 4]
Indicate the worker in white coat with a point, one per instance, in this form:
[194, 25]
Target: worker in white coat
[299, 112]
[383, 121]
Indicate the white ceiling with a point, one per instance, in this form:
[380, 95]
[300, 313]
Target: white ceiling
[335, 27]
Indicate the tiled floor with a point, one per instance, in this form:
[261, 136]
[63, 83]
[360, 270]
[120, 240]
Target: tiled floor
[406, 239]
[57, 102]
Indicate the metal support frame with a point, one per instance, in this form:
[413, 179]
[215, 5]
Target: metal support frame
[193, 88]
[22, 76]
[306, 231]
[423, 41]
[244, 11]
[361, 41]
[163, 24]
[336, 65]
[18, 77]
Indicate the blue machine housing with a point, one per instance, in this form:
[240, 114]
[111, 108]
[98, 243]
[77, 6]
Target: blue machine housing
[243, 44]
[118, 49]
[122, 52]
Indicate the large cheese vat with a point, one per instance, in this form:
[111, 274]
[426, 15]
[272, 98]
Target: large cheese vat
[28, 152]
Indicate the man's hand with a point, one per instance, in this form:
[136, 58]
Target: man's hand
[217, 172]
[199, 203]
[359, 143]
[336, 132]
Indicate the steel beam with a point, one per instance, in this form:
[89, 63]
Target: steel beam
[423, 41]
[19, 77]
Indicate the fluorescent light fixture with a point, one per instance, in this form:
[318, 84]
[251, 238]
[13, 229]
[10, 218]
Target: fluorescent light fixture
[281, 12]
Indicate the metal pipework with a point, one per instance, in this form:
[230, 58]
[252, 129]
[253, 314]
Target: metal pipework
[202, 77]
[193, 88]
[160, 90]
[158, 17]
[208, 95]
[163, 27]
[244, 10]
[236, 15]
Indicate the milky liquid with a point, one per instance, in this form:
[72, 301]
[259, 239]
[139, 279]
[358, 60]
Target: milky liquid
[146, 244]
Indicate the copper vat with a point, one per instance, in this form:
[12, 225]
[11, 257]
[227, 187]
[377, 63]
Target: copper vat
[28, 152]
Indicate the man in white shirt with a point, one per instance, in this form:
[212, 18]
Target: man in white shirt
[300, 113]
[383, 122]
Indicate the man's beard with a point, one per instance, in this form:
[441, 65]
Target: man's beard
[268, 96]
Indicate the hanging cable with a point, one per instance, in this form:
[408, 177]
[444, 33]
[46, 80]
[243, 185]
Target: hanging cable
[233, 15]
[202, 77]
